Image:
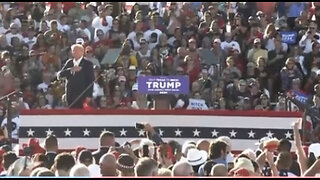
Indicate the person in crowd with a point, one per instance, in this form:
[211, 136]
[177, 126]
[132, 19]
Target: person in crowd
[146, 167]
[182, 169]
[63, 163]
[108, 165]
[80, 76]
[51, 147]
[107, 139]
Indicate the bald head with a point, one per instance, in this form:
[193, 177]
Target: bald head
[108, 165]
[182, 169]
[203, 145]
[219, 170]
[108, 159]
[79, 170]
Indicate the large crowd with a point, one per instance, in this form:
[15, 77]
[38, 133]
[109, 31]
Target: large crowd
[238, 56]
[151, 156]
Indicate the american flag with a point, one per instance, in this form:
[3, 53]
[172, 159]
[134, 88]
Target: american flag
[72, 129]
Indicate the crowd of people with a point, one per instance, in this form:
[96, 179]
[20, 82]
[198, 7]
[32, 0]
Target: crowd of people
[238, 56]
[151, 156]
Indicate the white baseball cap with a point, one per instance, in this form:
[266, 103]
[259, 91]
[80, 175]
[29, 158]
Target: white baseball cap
[217, 40]
[315, 149]
[79, 41]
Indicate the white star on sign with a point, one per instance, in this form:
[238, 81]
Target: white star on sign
[233, 133]
[288, 135]
[67, 132]
[214, 133]
[30, 132]
[86, 132]
[269, 134]
[178, 132]
[161, 132]
[141, 132]
[251, 134]
[104, 130]
[196, 133]
[49, 132]
[123, 132]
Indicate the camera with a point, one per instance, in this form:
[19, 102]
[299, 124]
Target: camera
[145, 151]
[27, 151]
[139, 126]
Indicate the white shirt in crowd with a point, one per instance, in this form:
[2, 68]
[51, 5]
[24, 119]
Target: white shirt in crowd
[15, 126]
[43, 86]
[10, 35]
[147, 35]
[171, 40]
[232, 44]
[132, 35]
[17, 22]
[306, 43]
[97, 90]
[63, 28]
[29, 41]
[3, 30]
[86, 31]
[59, 26]
[97, 24]
[147, 55]
[270, 45]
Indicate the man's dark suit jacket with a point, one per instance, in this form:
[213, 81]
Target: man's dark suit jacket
[50, 157]
[77, 83]
[99, 153]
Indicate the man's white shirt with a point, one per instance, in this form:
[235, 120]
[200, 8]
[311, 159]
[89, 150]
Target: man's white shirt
[307, 44]
[10, 35]
[234, 44]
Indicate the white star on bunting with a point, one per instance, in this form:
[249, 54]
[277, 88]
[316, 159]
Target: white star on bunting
[123, 132]
[67, 132]
[161, 132]
[251, 134]
[178, 132]
[141, 132]
[269, 134]
[288, 135]
[49, 132]
[104, 130]
[86, 132]
[233, 133]
[214, 133]
[30, 132]
[196, 133]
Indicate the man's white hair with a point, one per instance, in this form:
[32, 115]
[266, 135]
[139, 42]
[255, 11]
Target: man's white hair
[79, 170]
[77, 46]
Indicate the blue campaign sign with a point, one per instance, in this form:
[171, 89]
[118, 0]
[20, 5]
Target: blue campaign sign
[288, 37]
[300, 96]
[163, 85]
